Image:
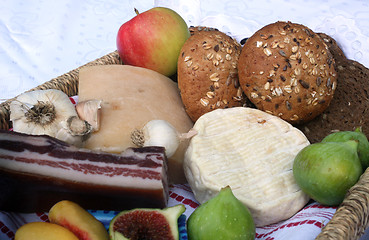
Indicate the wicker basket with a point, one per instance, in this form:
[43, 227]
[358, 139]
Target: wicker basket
[349, 221]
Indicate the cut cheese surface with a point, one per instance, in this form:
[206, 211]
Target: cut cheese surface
[253, 153]
[132, 96]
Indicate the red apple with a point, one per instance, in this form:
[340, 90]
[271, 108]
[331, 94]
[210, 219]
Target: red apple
[153, 40]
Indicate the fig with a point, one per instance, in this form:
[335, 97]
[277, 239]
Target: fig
[363, 147]
[326, 171]
[221, 217]
[146, 223]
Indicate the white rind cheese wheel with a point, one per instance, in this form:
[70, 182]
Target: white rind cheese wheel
[252, 152]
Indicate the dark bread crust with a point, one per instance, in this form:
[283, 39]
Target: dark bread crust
[349, 109]
[285, 69]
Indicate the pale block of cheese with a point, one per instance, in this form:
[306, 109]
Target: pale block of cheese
[132, 96]
[252, 152]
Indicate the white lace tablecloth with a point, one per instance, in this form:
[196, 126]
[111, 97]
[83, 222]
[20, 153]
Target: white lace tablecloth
[40, 40]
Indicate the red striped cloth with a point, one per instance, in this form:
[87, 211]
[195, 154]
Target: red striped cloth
[304, 225]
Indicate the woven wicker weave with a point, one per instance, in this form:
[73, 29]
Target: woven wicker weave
[67, 83]
[350, 220]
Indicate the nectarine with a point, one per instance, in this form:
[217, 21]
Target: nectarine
[83, 224]
[43, 231]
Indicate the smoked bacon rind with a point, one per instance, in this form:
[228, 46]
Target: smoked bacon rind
[38, 171]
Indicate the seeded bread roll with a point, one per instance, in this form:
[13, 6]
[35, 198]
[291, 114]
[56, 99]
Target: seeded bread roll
[207, 73]
[287, 70]
[193, 30]
[349, 108]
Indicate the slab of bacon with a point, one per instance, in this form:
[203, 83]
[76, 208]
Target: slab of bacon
[38, 171]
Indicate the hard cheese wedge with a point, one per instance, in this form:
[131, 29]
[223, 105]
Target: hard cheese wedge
[253, 153]
[132, 96]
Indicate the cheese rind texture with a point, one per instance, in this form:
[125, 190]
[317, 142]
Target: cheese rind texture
[252, 152]
[131, 97]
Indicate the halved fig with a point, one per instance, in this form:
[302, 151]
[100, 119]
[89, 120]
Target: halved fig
[146, 223]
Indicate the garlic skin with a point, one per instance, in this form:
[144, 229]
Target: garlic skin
[74, 131]
[48, 112]
[157, 133]
[90, 111]
[40, 112]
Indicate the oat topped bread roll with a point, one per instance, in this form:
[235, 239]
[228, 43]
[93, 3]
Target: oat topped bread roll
[207, 73]
[349, 108]
[287, 70]
[195, 29]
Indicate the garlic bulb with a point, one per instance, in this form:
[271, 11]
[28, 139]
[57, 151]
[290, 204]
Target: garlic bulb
[159, 133]
[41, 112]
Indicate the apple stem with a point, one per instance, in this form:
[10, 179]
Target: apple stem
[136, 11]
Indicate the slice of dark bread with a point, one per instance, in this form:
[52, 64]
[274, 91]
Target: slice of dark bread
[349, 108]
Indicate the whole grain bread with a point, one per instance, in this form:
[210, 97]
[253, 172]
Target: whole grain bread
[349, 109]
[207, 72]
[195, 29]
[285, 69]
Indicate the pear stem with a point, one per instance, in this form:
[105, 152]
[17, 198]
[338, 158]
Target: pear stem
[136, 11]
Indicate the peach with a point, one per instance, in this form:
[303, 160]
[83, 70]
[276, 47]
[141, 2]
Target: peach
[83, 224]
[43, 231]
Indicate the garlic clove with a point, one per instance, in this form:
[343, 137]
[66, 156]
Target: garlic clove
[78, 127]
[74, 131]
[64, 135]
[90, 111]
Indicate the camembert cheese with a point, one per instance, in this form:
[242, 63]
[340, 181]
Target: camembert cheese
[252, 152]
